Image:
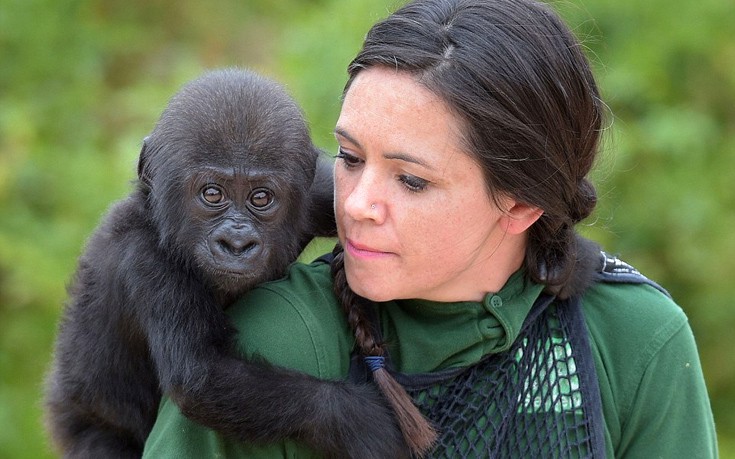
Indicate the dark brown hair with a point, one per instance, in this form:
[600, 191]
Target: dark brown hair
[517, 78]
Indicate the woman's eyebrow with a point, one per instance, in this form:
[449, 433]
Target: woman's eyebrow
[342, 133]
[409, 159]
[399, 156]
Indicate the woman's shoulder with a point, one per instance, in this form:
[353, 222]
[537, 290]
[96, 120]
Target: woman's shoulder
[295, 322]
[305, 283]
[634, 327]
[634, 310]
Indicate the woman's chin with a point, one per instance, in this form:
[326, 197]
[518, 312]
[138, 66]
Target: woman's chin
[370, 289]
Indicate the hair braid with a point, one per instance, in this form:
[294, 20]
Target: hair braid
[354, 308]
[418, 433]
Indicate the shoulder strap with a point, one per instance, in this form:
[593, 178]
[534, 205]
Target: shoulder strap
[326, 258]
[614, 270]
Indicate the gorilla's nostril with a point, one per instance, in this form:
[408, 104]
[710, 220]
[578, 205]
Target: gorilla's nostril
[236, 247]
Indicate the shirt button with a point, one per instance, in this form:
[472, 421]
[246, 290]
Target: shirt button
[496, 301]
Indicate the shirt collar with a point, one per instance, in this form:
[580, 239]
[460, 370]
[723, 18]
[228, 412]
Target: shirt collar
[427, 336]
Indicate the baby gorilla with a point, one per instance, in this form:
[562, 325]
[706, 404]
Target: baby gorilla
[229, 191]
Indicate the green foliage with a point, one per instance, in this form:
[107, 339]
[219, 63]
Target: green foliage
[83, 81]
[669, 164]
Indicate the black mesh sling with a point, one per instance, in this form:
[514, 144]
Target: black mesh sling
[539, 399]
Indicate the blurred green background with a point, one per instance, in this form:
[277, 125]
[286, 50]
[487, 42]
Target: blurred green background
[83, 81]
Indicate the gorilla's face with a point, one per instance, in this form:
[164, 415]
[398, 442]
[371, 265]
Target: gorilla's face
[229, 167]
[237, 224]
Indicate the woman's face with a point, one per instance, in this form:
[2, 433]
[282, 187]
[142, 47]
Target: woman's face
[413, 213]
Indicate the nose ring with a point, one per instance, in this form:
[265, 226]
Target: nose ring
[372, 206]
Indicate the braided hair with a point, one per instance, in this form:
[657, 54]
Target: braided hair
[418, 433]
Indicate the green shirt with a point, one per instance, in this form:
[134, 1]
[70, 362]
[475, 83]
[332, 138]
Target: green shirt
[654, 399]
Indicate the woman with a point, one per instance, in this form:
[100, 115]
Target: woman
[466, 136]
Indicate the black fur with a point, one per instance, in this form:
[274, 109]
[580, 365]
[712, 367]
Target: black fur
[145, 314]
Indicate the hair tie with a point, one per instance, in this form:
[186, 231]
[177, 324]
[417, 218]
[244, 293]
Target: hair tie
[375, 362]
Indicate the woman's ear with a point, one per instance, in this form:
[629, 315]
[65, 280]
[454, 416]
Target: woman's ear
[519, 217]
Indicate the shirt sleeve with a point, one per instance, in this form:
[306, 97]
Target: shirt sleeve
[670, 414]
[287, 324]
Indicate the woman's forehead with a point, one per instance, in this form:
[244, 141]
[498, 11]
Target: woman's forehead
[393, 106]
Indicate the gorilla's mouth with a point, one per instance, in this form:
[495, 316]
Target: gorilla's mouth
[232, 281]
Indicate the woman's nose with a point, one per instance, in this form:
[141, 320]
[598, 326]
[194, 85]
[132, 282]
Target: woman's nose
[364, 200]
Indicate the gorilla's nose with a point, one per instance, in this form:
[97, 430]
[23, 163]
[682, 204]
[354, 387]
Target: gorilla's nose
[236, 244]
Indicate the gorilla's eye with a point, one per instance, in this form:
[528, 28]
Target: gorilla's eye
[261, 198]
[213, 195]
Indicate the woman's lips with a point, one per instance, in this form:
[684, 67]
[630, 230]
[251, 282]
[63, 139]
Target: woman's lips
[358, 250]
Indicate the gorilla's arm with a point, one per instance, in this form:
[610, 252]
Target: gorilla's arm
[190, 345]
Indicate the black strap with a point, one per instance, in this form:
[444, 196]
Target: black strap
[613, 270]
[326, 258]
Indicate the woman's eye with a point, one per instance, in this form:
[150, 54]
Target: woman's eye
[349, 159]
[413, 183]
[261, 198]
[213, 195]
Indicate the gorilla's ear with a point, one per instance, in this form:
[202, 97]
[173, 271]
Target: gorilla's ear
[321, 195]
[143, 168]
